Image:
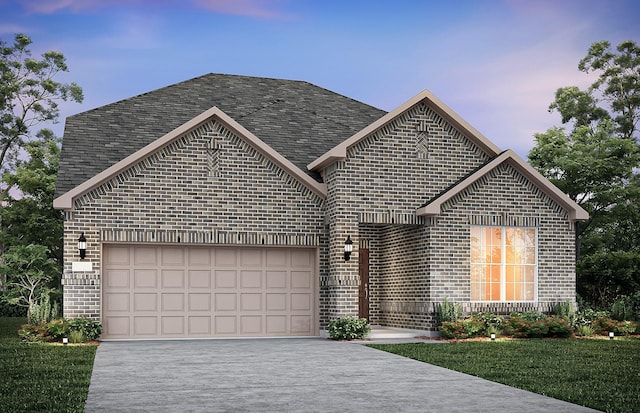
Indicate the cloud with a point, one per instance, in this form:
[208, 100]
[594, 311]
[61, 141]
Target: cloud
[75, 6]
[10, 28]
[265, 9]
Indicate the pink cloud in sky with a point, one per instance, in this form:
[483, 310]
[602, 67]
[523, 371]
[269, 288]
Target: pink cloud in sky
[251, 8]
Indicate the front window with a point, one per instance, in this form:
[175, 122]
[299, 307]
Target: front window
[504, 263]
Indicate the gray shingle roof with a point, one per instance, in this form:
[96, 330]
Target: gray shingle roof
[298, 119]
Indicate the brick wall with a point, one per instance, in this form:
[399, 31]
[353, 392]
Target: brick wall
[416, 262]
[208, 187]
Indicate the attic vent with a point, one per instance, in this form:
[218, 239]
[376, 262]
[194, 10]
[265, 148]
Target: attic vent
[213, 158]
[422, 145]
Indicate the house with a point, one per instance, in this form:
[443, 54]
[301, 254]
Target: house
[243, 206]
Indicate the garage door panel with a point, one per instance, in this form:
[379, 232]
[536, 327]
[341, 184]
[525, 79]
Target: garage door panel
[226, 325]
[172, 279]
[200, 302]
[146, 278]
[179, 291]
[276, 279]
[225, 279]
[173, 326]
[145, 326]
[145, 256]
[200, 279]
[117, 302]
[116, 278]
[172, 302]
[145, 302]
[226, 301]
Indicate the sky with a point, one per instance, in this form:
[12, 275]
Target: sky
[497, 63]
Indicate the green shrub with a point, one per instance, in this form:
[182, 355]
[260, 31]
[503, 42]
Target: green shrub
[584, 331]
[492, 323]
[57, 329]
[44, 310]
[448, 311]
[11, 310]
[558, 326]
[529, 315]
[587, 317]
[348, 328]
[622, 309]
[522, 327]
[34, 333]
[467, 328]
[89, 328]
[620, 328]
[563, 309]
[77, 337]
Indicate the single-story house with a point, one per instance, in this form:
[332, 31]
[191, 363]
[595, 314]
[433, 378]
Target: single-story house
[242, 206]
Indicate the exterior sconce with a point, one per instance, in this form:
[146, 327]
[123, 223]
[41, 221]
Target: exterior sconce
[348, 248]
[611, 334]
[493, 336]
[82, 246]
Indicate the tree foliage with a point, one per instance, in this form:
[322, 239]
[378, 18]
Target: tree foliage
[28, 95]
[595, 159]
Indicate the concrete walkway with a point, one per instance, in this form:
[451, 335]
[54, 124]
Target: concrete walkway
[288, 375]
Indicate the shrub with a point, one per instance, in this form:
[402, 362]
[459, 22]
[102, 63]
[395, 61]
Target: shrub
[558, 326]
[348, 328]
[89, 328]
[584, 331]
[622, 309]
[621, 328]
[11, 310]
[448, 311]
[529, 315]
[77, 337]
[563, 309]
[57, 329]
[34, 333]
[492, 323]
[522, 327]
[467, 328]
[587, 317]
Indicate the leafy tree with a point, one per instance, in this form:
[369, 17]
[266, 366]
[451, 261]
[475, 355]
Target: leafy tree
[28, 95]
[28, 270]
[595, 159]
[29, 218]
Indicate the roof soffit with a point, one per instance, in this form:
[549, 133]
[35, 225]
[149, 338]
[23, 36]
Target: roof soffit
[66, 200]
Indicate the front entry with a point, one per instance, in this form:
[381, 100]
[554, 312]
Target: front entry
[363, 293]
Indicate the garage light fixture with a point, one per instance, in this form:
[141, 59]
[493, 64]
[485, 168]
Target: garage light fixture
[348, 248]
[82, 246]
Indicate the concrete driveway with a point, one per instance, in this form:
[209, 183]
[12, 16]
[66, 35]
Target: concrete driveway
[289, 375]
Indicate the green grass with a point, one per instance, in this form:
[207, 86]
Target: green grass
[42, 377]
[596, 373]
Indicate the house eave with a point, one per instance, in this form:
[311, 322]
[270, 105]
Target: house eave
[66, 201]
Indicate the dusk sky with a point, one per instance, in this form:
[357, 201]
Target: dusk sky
[497, 63]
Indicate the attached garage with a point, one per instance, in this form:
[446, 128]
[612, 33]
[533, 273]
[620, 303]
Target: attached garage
[151, 291]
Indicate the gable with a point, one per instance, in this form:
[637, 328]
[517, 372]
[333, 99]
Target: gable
[299, 120]
[135, 163]
[525, 173]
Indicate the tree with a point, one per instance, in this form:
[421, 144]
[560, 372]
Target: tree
[28, 271]
[595, 159]
[29, 218]
[28, 95]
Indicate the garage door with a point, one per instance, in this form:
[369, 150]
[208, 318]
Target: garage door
[169, 291]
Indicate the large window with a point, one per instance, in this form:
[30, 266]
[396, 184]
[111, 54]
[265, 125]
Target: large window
[503, 264]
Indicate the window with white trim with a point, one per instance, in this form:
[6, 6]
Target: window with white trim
[504, 263]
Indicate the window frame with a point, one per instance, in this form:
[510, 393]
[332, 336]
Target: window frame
[503, 263]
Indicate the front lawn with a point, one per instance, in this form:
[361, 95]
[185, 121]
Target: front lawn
[37, 377]
[597, 373]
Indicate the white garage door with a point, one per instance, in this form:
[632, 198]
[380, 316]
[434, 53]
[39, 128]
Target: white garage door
[169, 291]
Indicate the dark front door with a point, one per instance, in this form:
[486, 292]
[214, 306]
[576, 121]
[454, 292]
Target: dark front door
[363, 307]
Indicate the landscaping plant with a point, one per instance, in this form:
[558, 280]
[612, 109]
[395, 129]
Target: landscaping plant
[348, 328]
[448, 311]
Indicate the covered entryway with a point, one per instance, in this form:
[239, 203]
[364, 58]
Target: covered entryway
[153, 291]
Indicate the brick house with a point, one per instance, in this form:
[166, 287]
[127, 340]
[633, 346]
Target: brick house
[222, 206]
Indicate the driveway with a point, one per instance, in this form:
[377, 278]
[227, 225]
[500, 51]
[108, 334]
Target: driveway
[289, 375]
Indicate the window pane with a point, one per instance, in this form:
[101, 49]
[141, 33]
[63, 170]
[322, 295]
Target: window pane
[531, 256]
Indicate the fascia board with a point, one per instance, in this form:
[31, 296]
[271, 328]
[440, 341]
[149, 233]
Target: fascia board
[576, 212]
[65, 201]
[339, 152]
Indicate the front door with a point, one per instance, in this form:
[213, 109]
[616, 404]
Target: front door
[363, 307]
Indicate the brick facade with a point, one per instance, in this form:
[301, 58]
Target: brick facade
[210, 187]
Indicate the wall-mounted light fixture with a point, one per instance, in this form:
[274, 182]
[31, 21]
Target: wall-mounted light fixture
[348, 248]
[82, 246]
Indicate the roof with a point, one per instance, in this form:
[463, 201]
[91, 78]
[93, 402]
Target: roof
[299, 120]
[576, 212]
